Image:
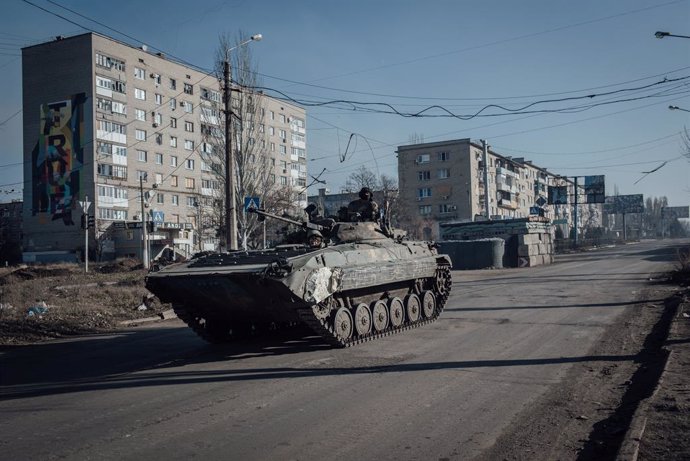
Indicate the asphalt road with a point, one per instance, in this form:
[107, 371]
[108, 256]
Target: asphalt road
[447, 390]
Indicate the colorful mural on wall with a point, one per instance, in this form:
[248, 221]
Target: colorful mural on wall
[58, 158]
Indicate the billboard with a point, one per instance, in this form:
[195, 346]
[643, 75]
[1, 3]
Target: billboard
[625, 203]
[675, 212]
[558, 195]
[595, 189]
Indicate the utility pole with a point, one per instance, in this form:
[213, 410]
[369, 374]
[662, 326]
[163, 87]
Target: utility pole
[144, 234]
[486, 178]
[575, 212]
[230, 218]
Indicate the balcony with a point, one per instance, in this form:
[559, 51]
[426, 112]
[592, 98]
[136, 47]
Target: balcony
[509, 204]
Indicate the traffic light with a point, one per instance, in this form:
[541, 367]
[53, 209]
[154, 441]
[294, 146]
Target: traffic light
[92, 222]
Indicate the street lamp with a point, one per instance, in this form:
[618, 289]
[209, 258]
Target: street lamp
[230, 212]
[678, 108]
[660, 34]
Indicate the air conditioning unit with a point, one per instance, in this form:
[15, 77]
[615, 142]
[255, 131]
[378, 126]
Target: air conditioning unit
[453, 208]
[445, 197]
[152, 75]
[155, 125]
[419, 199]
[181, 103]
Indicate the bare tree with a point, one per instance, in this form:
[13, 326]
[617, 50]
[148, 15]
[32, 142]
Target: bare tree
[253, 166]
[361, 177]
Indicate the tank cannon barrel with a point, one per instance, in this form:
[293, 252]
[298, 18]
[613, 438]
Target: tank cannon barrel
[262, 215]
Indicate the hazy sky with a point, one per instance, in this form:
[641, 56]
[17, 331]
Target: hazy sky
[458, 55]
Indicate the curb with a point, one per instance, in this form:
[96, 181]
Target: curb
[631, 442]
[165, 315]
[630, 446]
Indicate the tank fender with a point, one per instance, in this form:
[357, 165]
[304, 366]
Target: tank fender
[322, 283]
[444, 259]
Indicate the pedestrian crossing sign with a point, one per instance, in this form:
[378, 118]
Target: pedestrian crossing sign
[251, 202]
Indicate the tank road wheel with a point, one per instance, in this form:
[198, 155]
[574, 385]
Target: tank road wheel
[362, 319]
[428, 304]
[396, 308]
[380, 313]
[342, 323]
[412, 307]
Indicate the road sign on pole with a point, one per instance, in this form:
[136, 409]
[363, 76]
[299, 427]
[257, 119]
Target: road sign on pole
[251, 202]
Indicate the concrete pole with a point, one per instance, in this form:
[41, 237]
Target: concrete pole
[144, 234]
[575, 211]
[230, 218]
[485, 146]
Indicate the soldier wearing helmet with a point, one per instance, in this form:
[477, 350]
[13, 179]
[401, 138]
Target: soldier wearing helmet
[314, 239]
[364, 209]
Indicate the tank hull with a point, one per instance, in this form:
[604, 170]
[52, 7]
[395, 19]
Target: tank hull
[347, 293]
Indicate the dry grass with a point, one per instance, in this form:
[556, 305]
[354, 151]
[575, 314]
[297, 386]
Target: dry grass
[77, 302]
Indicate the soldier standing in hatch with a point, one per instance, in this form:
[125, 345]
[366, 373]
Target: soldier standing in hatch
[366, 207]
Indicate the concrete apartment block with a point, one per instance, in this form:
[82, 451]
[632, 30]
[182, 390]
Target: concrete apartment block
[99, 115]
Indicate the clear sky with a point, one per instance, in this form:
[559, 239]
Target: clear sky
[458, 55]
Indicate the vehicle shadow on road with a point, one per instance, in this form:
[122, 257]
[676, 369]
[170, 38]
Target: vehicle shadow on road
[551, 306]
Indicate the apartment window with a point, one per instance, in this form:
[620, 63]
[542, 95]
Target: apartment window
[159, 160]
[158, 99]
[188, 107]
[109, 63]
[157, 118]
[156, 78]
[424, 175]
[283, 135]
[446, 208]
[283, 149]
[112, 127]
[282, 118]
[159, 139]
[173, 141]
[189, 164]
[424, 192]
[140, 114]
[119, 108]
[141, 155]
[142, 175]
[173, 84]
[443, 173]
[189, 183]
[283, 181]
[160, 198]
[140, 135]
[172, 103]
[273, 115]
[299, 152]
[262, 128]
[191, 201]
[139, 73]
[210, 95]
[425, 210]
[189, 126]
[443, 156]
[423, 158]
[140, 94]
[173, 160]
[109, 84]
[173, 122]
[271, 131]
[188, 145]
[175, 199]
[188, 88]
[158, 178]
[273, 147]
[173, 181]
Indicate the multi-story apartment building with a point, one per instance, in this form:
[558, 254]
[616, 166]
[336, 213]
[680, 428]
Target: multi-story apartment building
[106, 120]
[444, 181]
[10, 232]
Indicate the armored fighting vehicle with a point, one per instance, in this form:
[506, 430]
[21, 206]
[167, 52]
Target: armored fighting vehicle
[364, 282]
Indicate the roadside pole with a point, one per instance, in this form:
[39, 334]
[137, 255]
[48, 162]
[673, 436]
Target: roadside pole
[486, 178]
[85, 205]
[144, 235]
[575, 212]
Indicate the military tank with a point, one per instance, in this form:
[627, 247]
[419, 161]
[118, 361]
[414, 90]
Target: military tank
[366, 281]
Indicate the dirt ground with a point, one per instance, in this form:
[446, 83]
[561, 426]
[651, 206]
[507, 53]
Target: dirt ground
[41, 302]
[632, 401]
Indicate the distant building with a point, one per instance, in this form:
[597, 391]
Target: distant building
[99, 115]
[444, 182]
[10, 232]
[329, 204]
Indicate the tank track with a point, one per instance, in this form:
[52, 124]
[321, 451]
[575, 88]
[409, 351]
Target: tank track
[324, 326]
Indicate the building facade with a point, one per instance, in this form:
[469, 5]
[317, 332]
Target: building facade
[445, 182]
[122, 128]
[11, 232]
